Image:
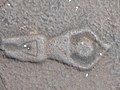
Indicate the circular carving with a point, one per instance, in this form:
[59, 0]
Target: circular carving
[85, 49]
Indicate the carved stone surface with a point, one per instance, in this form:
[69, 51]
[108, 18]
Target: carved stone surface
[81, 49]
[87, 48]
[26, 48]
[60, 22]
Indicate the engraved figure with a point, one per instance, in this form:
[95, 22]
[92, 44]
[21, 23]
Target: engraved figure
[81, 49]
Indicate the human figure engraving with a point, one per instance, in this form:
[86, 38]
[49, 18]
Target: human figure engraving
[81, 49]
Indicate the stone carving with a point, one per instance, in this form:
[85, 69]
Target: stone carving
[26, 48]
[30, 48]
[81, 49]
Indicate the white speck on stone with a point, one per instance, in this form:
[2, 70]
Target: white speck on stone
[28, 48]
[87, 75]
[76, 8]
[69, 0]
[8, 4]
[25, 46]
[82, 43]
[101, 54]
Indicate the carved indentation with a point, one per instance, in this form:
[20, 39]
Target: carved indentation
[86, 49]
[58, 47]
[30, 48]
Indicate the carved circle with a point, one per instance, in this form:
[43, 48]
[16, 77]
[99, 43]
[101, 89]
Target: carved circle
[83, 48]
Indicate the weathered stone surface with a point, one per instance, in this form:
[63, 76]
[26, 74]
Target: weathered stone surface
[2, 2]
[52, 18]
[81, 49]
[2, 85]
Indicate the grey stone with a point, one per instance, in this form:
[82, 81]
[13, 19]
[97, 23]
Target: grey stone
[81, 49]
[2, 85]
[54, 18]
[2, 2]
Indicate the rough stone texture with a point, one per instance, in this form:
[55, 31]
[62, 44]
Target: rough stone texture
[2, 2]
[52, 18]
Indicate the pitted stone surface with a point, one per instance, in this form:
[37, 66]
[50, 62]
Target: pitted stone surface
[52, 18]
[26, 48]
[2, 2]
